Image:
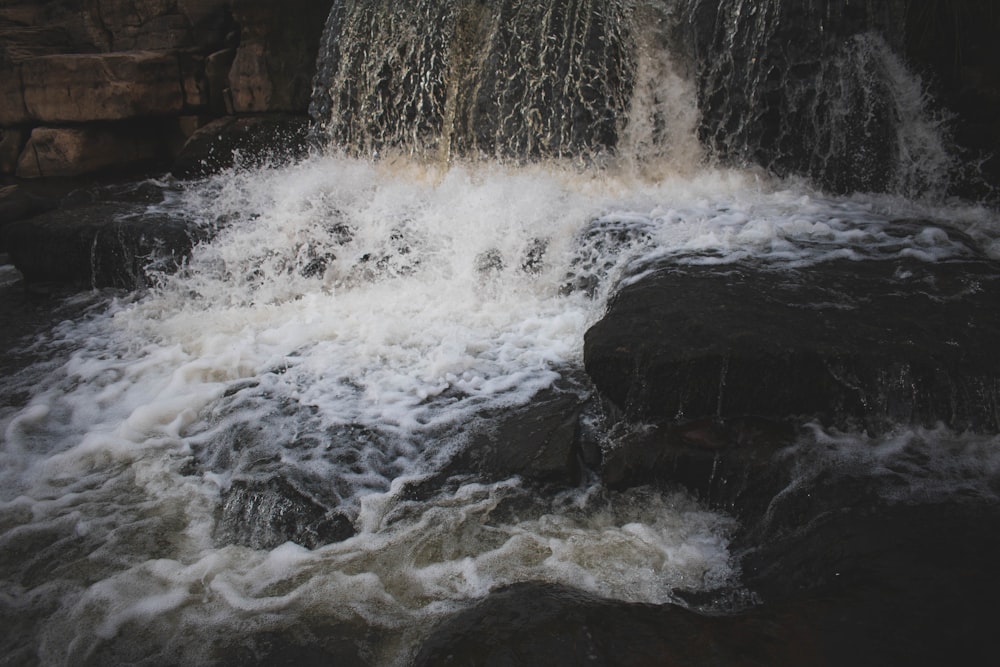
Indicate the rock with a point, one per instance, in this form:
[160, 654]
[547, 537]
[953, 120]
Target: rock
[97, 245]
[305, 643]
[217, 66]
[276, 59]
[863, 344]
[110, 86]
[63, 151]
[263, 514]
[12, 111]
[17, 204]
[792, 89]
[247, 141]
[732, 467]
[11, 143]
[539, 441]
[545, 624]
[903, 585]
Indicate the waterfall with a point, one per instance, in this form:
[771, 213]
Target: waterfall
[361, 403]
[463, 77]
[813, 89]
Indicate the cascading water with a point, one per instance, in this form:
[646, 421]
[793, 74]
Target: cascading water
[360, 317]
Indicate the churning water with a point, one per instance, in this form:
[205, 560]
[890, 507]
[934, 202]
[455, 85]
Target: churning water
[346, 331]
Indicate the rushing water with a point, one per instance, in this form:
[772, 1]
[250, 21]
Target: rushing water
[346, 331]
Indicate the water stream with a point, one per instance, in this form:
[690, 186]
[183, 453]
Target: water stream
[360, 315]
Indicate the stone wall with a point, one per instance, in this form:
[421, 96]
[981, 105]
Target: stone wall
[87, 85]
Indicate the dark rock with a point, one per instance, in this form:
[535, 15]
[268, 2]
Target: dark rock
[730, 466]
[12, 141]
[794, 88]
[263, 514]
[246, 141]
[865, 344]
[73, 151]
[303, 644]
[275, 62]
[98, 245]
[539, 441]
[544, 624]
[905, 585]
[16, 203]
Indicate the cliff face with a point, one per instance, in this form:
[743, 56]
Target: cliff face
[92, 84]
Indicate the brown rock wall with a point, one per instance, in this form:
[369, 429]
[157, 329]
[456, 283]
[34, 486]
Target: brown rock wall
[112, 86]
[85, 78]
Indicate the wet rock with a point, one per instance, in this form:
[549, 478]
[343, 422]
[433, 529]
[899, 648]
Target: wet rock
[903, 585]
[506, 79]
[539, 441]
[730, 466]
[544, 624]
[852, 344]
[265, 513]
[249, 141]
[100, 245]
[296, 646]
[16, 204]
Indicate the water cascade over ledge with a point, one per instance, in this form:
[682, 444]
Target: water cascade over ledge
[584, 330]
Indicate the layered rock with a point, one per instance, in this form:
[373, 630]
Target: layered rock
[149, 73]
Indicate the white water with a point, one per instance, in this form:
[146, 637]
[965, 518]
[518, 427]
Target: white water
[346, 329]
[435, 302]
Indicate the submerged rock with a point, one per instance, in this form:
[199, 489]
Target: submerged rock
[263, 514]
[865, 344]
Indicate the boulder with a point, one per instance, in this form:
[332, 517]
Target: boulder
[734, 466]
[903, 585]
[97, 245]
[110, 86]
[545, 624]
[265, 513]
[852, 344]
[539, 441]
[242, 141]
[16, 203]
[71, 151]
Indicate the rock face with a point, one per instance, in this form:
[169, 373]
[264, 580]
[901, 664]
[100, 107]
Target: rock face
[506, 79]
[120, 82]
[865, 344]
[110, 86]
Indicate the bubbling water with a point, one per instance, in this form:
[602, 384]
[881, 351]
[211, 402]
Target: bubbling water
[347, 328]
